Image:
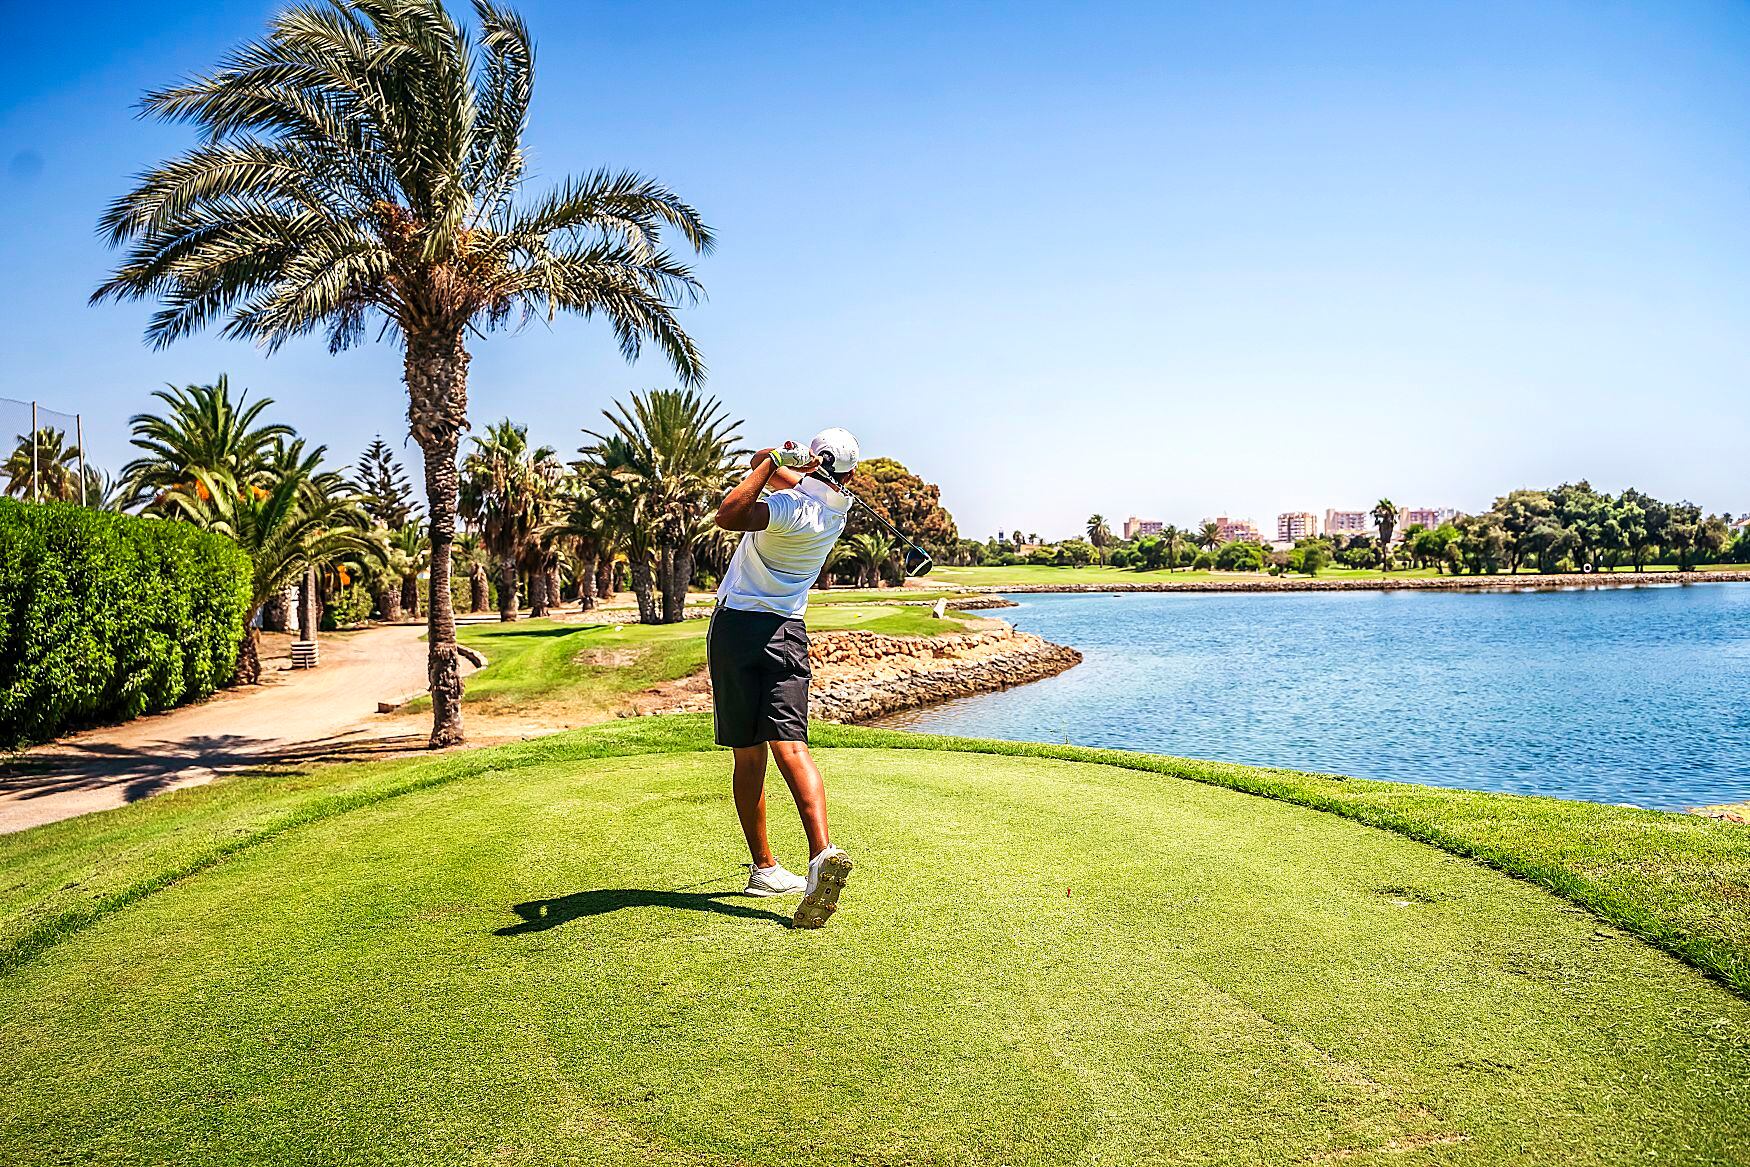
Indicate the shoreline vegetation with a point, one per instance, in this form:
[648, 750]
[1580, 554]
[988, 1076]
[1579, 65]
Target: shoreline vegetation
[1209, 582]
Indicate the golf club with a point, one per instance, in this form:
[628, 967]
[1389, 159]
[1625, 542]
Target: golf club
[917, 560]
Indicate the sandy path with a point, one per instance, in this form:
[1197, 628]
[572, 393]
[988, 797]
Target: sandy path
[326, 713]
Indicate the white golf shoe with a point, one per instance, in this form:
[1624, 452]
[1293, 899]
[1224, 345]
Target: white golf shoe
[773, 881]
[827, 873]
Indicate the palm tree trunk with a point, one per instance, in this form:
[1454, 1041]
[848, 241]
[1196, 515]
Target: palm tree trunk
[507, 589]
[665, 584]
[248, 670]
[683, 579]
[554, 585]
[410, 594]
[436, 369]
[389, 603]
[537, 591]
[481, 588]
[605, 579]
[642, 587]
[309, 606]
[586, 572]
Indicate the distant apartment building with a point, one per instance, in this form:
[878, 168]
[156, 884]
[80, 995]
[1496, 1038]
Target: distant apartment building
[1429, 517]
[1135, 528]
[1241, 530]
[1293, 526]
[1348, 522]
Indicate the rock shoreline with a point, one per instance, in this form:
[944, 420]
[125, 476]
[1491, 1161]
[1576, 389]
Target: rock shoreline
[1432, 583]
[859, 676]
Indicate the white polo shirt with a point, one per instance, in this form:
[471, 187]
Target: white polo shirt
[772, 570]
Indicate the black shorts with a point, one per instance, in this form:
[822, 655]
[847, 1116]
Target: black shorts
[759, 677]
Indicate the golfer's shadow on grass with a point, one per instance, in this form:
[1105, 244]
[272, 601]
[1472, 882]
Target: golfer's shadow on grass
[540, 915]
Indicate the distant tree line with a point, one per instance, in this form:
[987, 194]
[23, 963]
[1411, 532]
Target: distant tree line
[1571, 527]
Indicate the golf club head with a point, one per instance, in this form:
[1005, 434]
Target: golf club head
[917, 563]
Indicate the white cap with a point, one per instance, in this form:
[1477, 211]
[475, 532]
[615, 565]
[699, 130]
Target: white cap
[838, 448]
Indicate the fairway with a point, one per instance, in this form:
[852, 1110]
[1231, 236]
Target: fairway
[1037, 962]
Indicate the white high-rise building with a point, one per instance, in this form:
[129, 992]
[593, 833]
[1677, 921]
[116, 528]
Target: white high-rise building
[1293, 526]
[1347, 522]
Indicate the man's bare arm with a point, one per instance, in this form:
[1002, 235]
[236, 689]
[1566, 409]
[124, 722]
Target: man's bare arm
[741, 509]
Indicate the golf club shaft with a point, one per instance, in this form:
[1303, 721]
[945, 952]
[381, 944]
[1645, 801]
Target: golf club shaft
[873, 513]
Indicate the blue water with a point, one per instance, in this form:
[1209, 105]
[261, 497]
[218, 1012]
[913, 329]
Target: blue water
[1623, 695]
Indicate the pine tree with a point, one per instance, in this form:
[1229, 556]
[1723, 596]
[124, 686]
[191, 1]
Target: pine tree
[388, 497]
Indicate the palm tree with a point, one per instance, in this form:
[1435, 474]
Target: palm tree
[1172, 537]
[413, 555]
[502, 484]
[470, 552]
[361, 165]
[835, 555]
[1208, 535]
[679, 448]
[287, 530]
[627, 515]
[1099, 534]
[869, 552]
[1385, 517]
[202, 428]
[43, 467]
[578, 530]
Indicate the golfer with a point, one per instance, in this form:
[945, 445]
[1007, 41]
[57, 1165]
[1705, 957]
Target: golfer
[758, 654]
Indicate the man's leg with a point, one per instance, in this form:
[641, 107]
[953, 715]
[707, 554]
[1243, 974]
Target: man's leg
[800, 773]
[750, 801]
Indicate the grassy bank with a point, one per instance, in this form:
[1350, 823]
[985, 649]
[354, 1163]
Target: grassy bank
[533, 954]
[585, 672]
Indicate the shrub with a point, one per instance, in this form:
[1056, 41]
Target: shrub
[1238, 556]
[348, 607]
[104, 617]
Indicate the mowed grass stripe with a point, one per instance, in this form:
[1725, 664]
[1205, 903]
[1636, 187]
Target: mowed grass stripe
[1039, 962]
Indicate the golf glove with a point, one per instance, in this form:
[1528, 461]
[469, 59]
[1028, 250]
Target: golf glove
[792, 457]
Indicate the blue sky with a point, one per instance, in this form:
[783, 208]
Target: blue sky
[1163, 259]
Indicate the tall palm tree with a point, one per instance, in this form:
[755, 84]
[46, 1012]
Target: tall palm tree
[43, 467]
[679, 447]
[835, 555]
[869, 552]
[287, 530]
[1099, 534]
[627, 513]
[361, 166]
[471, 554]
[502, 485]
[201, 428]
[1385, 517]
[412, 555]
[578, 529]
[1208, 535]
[1172, 537]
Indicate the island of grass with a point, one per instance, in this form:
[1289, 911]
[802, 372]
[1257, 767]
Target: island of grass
[537, 954]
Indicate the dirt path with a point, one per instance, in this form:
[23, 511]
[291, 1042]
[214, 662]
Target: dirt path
[327, 713]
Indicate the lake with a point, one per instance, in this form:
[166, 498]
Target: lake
[1623, 694]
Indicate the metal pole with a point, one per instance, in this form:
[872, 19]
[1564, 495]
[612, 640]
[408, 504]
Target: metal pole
[79, 432]
[35, 477]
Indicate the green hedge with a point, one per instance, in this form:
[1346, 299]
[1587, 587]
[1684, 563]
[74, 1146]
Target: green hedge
[104, 617]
